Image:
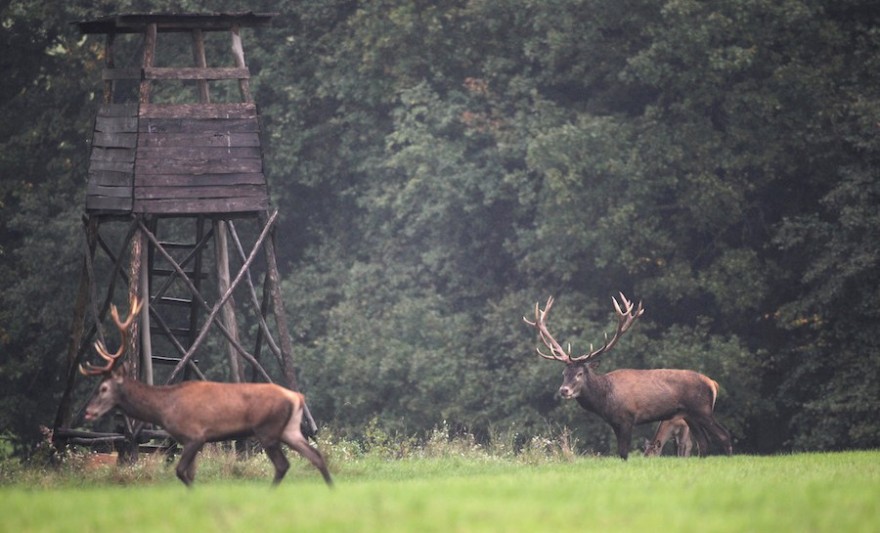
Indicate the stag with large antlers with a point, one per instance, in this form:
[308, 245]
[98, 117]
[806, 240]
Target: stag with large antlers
[197, 412]
[625, 398]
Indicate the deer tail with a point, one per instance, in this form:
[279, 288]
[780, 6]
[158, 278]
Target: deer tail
[714, 386]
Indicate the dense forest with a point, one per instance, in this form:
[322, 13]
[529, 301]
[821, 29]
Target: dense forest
[441, 166]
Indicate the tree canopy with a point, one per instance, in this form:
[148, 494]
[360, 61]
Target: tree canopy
[442, 166]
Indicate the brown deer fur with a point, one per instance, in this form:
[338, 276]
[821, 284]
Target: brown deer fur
[676, 429]
[625, 398]
[197, 412]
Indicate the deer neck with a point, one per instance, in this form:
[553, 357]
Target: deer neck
[595, 393]
[141, 401]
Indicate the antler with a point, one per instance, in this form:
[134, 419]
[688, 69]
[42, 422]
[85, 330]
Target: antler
[625, 318]
[556, 351]
[91, 370]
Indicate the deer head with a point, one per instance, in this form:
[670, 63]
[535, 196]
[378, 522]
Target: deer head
[576, 369]
[107, 395]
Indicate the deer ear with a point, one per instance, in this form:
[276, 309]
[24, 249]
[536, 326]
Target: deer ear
[593, 365]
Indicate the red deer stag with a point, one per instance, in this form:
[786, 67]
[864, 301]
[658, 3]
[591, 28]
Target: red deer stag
[196, 412]
[676, 429]
[626, 397]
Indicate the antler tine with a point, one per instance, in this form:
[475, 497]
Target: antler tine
[135, 308]
[101, 348]
[556, 351]
[625, 319]
[545, 356]
[91, 370]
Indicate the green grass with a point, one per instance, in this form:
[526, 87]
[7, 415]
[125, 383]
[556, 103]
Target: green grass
[460, 491]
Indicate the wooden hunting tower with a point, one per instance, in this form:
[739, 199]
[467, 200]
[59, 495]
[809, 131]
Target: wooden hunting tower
[176, 170]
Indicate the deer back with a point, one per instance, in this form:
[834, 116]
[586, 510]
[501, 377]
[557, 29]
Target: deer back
[649, 395]
[219, 411]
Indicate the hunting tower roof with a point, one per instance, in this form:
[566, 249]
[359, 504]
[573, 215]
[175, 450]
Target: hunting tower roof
[165, 22]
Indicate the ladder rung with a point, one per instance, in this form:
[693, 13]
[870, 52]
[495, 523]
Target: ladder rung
[168, 300]
[178, 245]
[170, 360]
[170, 272]
[177, 332]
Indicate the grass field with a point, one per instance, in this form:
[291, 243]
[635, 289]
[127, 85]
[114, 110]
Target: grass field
[836, 492]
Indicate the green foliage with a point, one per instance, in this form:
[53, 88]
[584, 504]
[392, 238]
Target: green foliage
[441, 167]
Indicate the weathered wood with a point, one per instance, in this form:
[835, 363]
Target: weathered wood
[94, 189]
[99, 153]
[198, 39]
[183, 193]
[262, 306]
[201, 206]
[109, 86]
[110, 178]
[201, 166]
[195, 73]
[146, 338]
[178, 125]
[105, 203]
[112, 166]
[200, 161]
[175, 73]
[118, 110]
[211, 319]
[238, 54]
[157, 140]
[221, 253]
[115, 139]
[149, 55]
[184, 152]
[202, 180]
[184, 111]
[78, 433]
[116, 124]
[167, 22]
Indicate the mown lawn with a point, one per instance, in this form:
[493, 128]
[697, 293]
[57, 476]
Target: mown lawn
[802, 492]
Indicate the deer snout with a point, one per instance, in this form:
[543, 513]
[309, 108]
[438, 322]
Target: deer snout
[566, 392]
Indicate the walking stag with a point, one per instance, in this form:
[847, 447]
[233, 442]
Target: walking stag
[197, 412]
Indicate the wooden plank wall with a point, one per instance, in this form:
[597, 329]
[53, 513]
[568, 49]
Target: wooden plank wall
[199, 158]
[111, 165]
[186, 159]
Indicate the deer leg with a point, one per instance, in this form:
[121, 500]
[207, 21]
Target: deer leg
[302, 446]
[655, 448]
[720, 432]
[683, 444]
[683, 441]
[688, 446]
[186, 467]
[624, 439]
[699, 434]
[276, 455]
[707, 425]
[293, 437]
